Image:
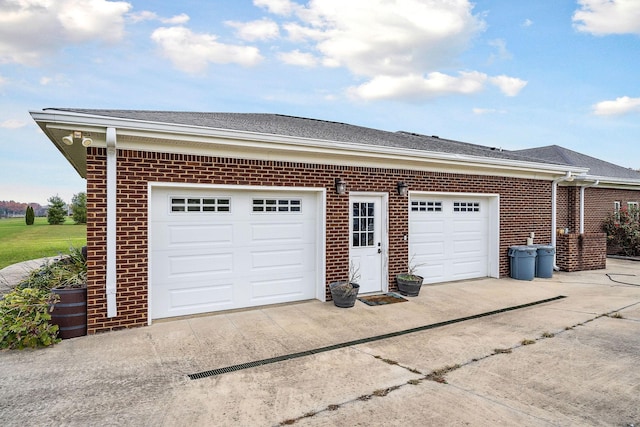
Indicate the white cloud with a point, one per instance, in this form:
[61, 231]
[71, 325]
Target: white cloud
[510, 86]
[414, 86]
[398, 46]
[13, 124]
[501, 48]
[31, 29]
[3, 81]
[262, 29]
[483, 111]
[619, 106]
[277, 7]
[601, 17]
[382, 37]
[146, 15]
[295, 57]
[192, 52]
[527, 23]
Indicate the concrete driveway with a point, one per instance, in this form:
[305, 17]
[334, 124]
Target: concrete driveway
[580, 364]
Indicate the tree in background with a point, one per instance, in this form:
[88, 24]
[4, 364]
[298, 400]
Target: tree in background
[57, 213]
[29, 215]
[79, 208]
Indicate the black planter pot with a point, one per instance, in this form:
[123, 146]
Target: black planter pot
[409, 285]
[70, 313]
[342, 295]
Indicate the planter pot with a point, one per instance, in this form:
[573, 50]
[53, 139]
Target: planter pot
[70, 313]
[342, 295]
[409, 285]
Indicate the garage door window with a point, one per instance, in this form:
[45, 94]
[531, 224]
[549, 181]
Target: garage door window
[200, 204]
[466, 206]
[426, 206]
[277, 205]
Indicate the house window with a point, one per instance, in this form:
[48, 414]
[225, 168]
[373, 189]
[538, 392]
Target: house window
[616, 209]
[632, 208]
[424, 206]
[466, 206]
[200, 204]
[277, 205]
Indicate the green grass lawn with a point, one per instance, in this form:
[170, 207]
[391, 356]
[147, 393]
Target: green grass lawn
[21, 242]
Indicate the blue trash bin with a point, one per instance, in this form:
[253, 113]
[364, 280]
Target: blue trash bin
[544, 260]
[523, 262]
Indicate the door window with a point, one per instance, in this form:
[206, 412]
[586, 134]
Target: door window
[363, 228]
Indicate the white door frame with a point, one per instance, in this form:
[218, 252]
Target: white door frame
[321, 243]
[384, 233]
[493, 201]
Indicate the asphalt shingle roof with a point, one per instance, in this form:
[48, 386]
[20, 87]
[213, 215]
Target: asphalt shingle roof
[596, 167]
[277, 124]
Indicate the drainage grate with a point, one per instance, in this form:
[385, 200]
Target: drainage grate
[262, 362]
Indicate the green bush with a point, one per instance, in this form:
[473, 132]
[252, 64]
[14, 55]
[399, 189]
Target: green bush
[24, 319]
[623, 232]
[64, 272]
[29, 215]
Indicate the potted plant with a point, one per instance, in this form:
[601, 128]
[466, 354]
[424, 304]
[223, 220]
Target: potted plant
[409, 283]
[345, 292]
[65, 277]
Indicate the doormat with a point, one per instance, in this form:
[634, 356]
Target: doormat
[383, 299]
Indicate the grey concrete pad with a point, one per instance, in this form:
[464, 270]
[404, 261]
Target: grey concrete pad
[584, 375]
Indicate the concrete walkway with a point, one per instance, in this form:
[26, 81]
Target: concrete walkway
[579, 367]
[13, 274]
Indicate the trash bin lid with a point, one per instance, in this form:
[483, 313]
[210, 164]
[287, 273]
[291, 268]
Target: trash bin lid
[522, 249]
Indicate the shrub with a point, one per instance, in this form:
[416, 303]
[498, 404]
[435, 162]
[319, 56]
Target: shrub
[64, 272]
[56, 214]
[29, 215]
[623, 231]
[24, 319]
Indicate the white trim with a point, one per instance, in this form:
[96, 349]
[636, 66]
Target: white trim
[321, 244]
[493, 199]
[112, 170]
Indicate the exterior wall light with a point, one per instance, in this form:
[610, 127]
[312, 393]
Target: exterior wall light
[341, 186]
[68, 139]
[403, 189]
[86, 141]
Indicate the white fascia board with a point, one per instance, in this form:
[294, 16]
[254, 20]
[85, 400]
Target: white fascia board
[618, 183]
[270, 142]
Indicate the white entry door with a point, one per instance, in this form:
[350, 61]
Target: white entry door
[365, 252]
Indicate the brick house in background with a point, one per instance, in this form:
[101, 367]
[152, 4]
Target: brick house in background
[199, 212]
[605, 189]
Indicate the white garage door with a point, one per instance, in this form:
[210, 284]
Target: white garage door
[449, 237]
[219, 250]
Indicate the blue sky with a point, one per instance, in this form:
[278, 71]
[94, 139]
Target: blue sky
[510, 74]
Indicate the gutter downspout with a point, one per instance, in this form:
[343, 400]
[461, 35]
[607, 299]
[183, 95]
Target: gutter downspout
[111, 222]
[593, 184]
[554, 203]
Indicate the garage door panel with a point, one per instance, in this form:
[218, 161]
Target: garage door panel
[282, 232]
[278, 259]
[199, 235]
[198, 299]
[197, 265]
[266, 291]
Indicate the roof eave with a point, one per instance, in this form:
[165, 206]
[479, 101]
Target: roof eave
[69, 121]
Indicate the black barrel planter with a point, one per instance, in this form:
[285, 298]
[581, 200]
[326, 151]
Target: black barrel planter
[344, 294]
[409, 284]
[70, 313]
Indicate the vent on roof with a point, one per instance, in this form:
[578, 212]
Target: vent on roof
[435, 136]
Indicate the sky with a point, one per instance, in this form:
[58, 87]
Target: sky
[500, 73]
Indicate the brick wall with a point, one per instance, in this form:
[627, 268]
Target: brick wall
[525, 206]
[578, 252]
